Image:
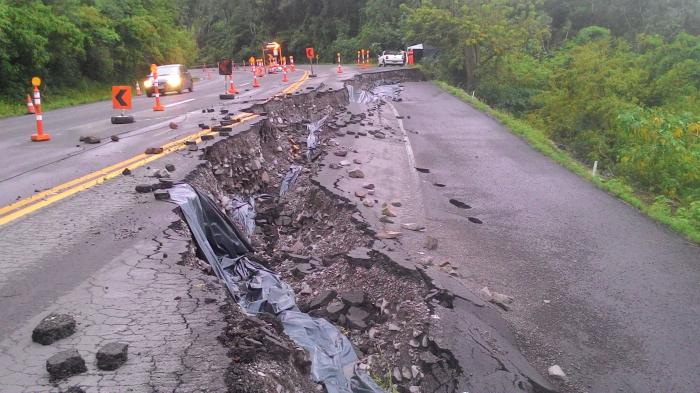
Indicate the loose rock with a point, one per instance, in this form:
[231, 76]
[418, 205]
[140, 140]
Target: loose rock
[356, 174]
[112, 355]
[64, 364]
[144, 188]
[53, 328]
[556, 373]
[431, 243]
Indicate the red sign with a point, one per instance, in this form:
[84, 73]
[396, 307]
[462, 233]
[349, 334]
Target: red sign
[121, 97]
[310, 53]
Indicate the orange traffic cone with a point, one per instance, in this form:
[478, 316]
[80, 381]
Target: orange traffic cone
[138, 88]
[284, 78]
[255, 81]
[232, 87]
[30, 105]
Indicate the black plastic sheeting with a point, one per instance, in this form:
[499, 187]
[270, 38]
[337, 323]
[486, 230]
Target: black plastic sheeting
[258, 289]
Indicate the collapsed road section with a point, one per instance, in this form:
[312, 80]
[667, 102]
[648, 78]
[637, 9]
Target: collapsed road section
[326, 297]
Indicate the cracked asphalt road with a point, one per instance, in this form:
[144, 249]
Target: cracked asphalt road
[623, 291]
[100, 255]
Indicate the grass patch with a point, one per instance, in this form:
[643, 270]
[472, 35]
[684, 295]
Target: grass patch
[615, 186]
[58, 98]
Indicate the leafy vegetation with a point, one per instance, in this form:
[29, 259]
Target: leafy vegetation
[616, 82]
[75, 44]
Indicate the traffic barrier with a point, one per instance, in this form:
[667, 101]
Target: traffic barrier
[284, 71]
[157, 107]
[138, 88]
[30, 105]
[40, 135]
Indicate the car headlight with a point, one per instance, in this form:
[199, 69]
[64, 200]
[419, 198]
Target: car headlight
[148, 83]
[174, 80]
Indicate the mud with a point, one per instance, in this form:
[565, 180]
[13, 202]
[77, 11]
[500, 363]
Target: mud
[319, 243]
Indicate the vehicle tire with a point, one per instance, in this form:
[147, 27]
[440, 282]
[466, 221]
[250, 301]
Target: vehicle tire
[191, 89]
[149, 94]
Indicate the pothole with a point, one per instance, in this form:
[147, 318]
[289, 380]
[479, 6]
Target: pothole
[459, 204]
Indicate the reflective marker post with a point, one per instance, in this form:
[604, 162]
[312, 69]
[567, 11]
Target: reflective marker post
[40, 136]
[158, 107]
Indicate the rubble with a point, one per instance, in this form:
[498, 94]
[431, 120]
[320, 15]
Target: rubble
[112, 355]
[65, 364]
[53, 328]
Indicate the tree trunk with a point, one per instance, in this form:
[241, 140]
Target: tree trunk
[470, 64]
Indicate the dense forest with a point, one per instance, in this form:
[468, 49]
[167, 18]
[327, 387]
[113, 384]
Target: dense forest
[613, 81]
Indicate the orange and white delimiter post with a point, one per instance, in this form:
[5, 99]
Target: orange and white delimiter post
[40, 135]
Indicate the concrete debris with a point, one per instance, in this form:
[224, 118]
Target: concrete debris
[556, 372]
[143, 188]
[356, 174]
[368, 186]
[388, 235]
[353, 298]
[65, 364]
[114, 138]
[322, 299]
[154, 150]
[91, 140]
[431, 243]
[386, 211]
[112, 355]
[161, 195]
[126, 172]
[173, 126]
[170, 167]
[412, 226]
[53, 328]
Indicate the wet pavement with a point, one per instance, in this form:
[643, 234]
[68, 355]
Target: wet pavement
[107, 256]
[599, 289]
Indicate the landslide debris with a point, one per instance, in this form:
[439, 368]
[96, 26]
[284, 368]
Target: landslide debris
[264, 178]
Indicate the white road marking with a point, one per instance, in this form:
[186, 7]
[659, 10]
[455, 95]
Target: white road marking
[409, 149]
[179, 102]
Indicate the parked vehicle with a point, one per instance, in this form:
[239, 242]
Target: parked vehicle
[171, 77]
[391, 58]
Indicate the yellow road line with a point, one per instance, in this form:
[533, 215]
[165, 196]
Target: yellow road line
[42, 199]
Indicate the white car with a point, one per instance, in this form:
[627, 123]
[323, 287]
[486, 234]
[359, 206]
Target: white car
[389, 57]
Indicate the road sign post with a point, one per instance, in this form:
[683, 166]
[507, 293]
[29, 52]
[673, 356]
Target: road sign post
[310, 56]
[226, 69]
[40, 135]
[121, 99]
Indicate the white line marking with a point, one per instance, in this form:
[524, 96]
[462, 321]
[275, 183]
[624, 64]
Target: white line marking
[178, 103]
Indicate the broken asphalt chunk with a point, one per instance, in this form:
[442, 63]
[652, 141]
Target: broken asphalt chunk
[53, 328]
[154, 150]
[322, 299]
[356, 174]
[112, 355]
[65, 364]
[161, 195]
[144, 188]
